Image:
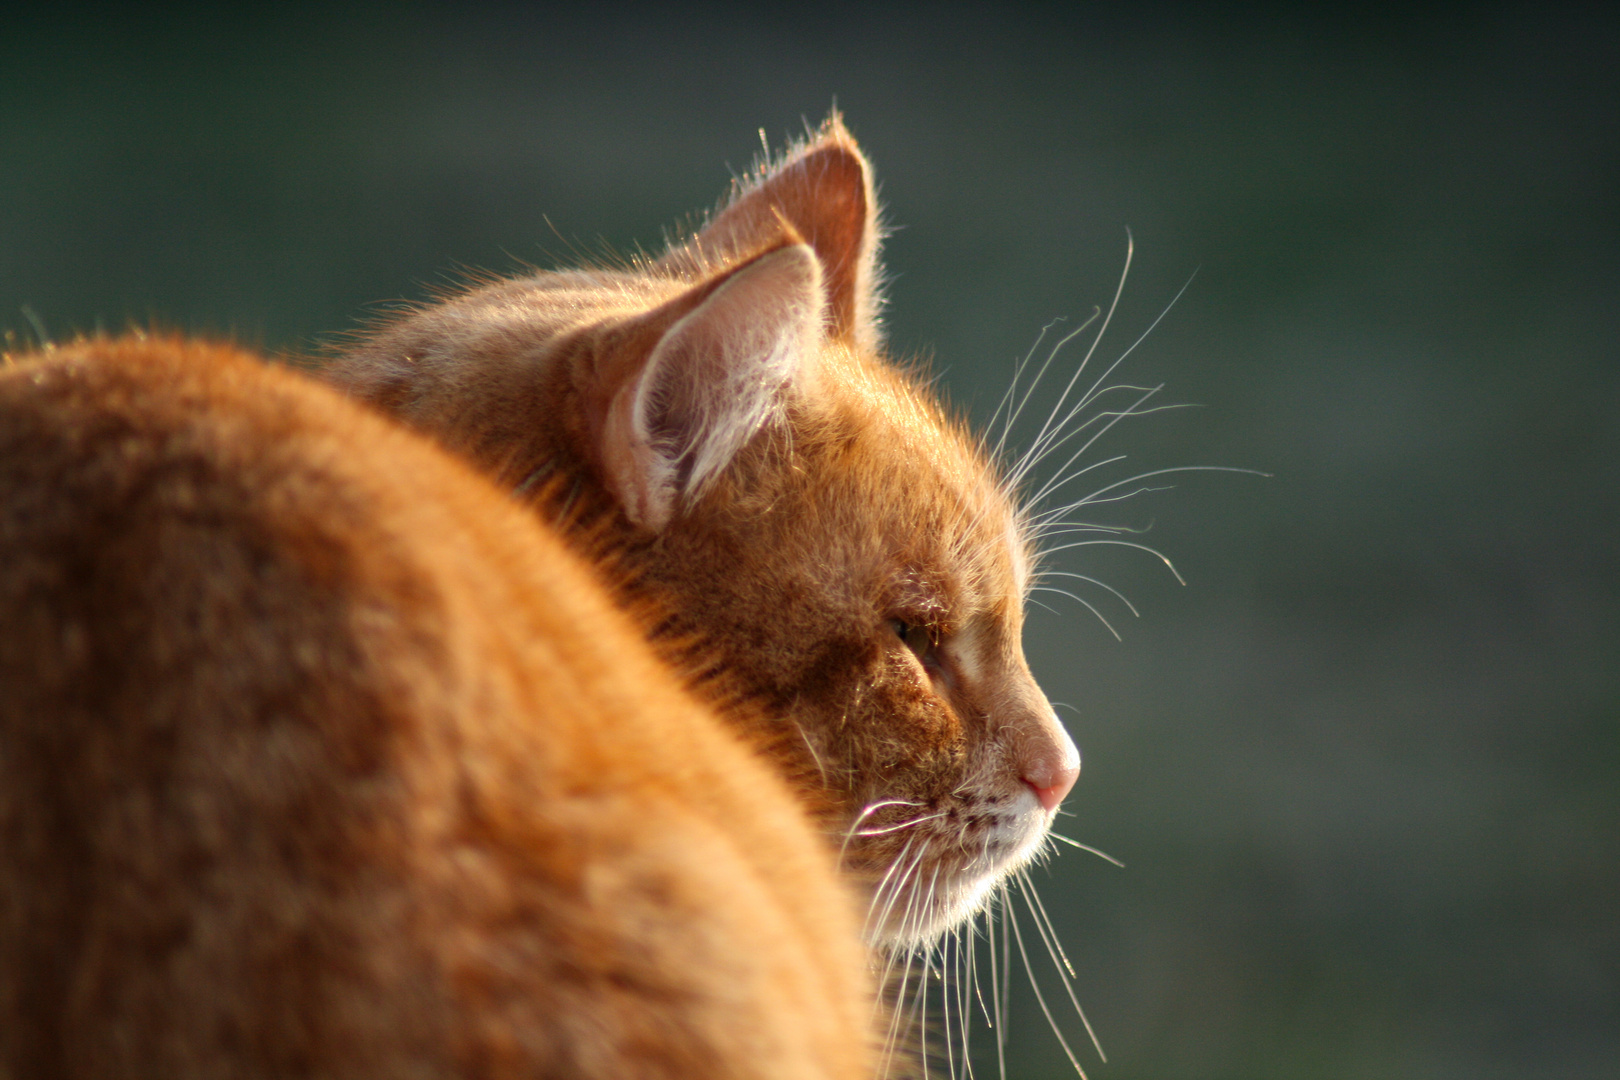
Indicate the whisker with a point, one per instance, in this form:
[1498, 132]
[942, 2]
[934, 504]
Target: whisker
[945, 1008]
[1047, 363]
[1043, 924]
[896, 1018]
[1050, 486]
[872, 808]
[1053, 520]
[897, 1022]
[1040, 998]
[1012, 388]
[1094, 581]
[1103, 855]
[910, 923]
[1081, 601]
[1095, 500]
[1032, 898]
[890, 885]
[867, 812]
[1094, 392]
[1073, 428]
[926, 909]
[1003, 1004]
[990, 943]
[1093, 497]
[1122, 543]
[963, 936]
[814, 755]
[1041, 436]
[1072, 528]
[1061, 475]
[902, 825]
[903, 883]
[921, 1014]
[1014, 413]
[994, 1016]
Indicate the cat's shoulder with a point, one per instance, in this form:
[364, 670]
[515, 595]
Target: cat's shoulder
[317, 748]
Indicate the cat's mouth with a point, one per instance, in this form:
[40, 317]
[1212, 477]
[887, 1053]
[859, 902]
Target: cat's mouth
[949, 863]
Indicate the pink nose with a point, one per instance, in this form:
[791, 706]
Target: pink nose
[1050, 782]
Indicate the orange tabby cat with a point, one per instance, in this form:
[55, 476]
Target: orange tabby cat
[722, 423]
[320, 758]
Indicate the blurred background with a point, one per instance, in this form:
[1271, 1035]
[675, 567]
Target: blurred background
[1364, 769]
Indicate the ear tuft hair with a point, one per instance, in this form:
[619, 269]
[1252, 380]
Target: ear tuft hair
[715, 376]
[823, 190]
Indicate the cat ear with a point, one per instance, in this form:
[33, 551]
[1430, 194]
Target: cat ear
[823, 189]
[715, 375]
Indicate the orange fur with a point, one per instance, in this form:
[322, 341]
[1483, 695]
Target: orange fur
[725, 421]
[319, 757]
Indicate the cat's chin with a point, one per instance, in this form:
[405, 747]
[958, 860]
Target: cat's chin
[941, 899]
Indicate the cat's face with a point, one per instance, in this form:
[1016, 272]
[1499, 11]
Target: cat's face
[808, 512]
[864, 573]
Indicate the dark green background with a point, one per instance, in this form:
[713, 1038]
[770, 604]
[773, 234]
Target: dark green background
[1365, 768]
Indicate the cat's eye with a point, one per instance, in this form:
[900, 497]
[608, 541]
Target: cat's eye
[916, 637]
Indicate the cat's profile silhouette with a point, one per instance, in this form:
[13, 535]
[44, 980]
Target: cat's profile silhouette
[724, 422]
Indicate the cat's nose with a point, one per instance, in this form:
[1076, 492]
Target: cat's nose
[1051, 777]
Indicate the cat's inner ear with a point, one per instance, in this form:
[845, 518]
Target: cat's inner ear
[715, 376]
[824, 191]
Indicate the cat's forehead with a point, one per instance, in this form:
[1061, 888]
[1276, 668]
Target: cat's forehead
[950, 522]
[533, 311]
[589, 294]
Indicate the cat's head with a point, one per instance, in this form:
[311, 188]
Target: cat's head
[841, 543]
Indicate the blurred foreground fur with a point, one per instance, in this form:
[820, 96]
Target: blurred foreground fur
[321, 757]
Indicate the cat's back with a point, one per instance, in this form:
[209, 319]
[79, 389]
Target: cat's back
[320, 757]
